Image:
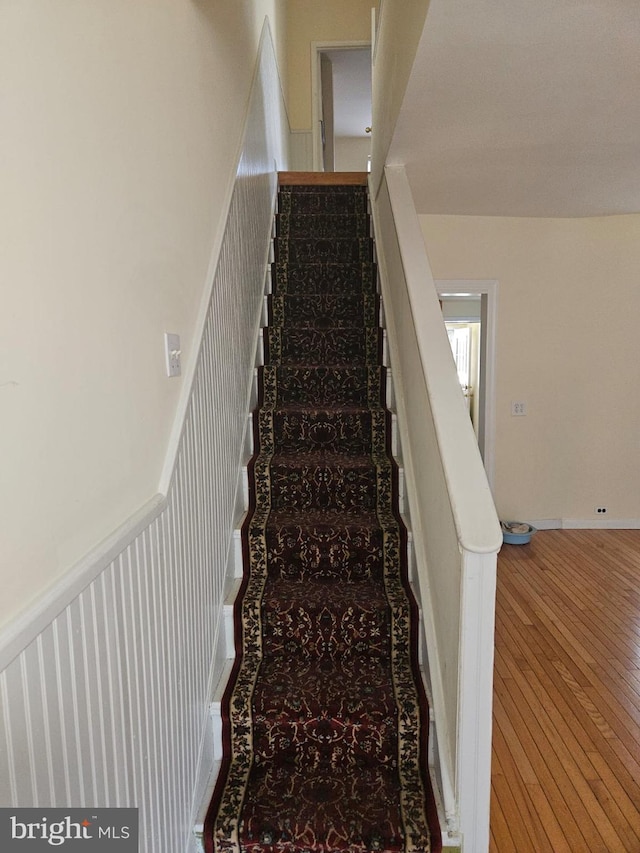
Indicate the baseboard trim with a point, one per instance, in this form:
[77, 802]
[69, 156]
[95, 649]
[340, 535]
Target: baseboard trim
[601, 524]
[585, 523]
[545, 523]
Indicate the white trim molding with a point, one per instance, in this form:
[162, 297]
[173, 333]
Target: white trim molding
[585, 523]
[318, 47]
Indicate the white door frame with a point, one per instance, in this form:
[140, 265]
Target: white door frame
[318, 47]
[487, 288]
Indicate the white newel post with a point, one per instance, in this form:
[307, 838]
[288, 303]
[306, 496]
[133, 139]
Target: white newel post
[477, 621]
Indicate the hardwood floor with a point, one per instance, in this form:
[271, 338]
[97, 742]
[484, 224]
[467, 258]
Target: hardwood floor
[566, 739]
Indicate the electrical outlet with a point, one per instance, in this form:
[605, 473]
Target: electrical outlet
[172, 353]
[518, 408]
[600, 510]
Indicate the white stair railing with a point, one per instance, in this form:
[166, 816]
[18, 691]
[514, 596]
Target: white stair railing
[455, 528]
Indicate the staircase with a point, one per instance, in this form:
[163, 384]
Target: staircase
[325, 721]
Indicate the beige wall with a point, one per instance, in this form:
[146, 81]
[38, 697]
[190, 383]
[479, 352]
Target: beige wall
[121, 127]
[317, 20]
[400, 27]
[567, 344]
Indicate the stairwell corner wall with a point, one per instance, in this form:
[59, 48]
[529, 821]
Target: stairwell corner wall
[105, 686]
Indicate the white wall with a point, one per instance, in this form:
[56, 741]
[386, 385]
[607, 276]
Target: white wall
[121, 129]
[351, 153]
[568, 346]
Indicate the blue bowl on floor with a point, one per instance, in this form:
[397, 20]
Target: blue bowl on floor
[516, 532]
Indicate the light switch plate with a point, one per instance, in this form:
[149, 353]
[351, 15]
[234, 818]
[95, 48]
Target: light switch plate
[172, 354]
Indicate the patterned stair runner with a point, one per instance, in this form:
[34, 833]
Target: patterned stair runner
[324, 720]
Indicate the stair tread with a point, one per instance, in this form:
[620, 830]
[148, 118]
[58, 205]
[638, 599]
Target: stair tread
[323, 459]
[324, 594]
[345, 218]
[323, 181]
[303, 816]
[340, 365]
[328, 299]
[321, 328]
[352, 432]
[337, 366]
[357, 516]
[322, 214]
[326, 331]
[325, 409]
[322, 346]
[328, 277]
[349, 250]
[338, 239]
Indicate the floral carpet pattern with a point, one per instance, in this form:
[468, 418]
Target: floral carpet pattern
[324, 719]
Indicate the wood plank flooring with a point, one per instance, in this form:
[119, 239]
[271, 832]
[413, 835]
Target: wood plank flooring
[566, 739]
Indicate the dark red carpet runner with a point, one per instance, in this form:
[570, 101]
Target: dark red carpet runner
[324, 721]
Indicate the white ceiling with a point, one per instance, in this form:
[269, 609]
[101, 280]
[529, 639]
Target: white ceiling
[351, 90]
[524, 108]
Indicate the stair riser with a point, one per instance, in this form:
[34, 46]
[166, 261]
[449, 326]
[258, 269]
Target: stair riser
[323, 311]
[322, 202]
[347, 554]
[308, 431]
[345, 250]
[323, 278]
[330, 347]
[306, 488]
[322, 226]
[322, 635]
[321, 387]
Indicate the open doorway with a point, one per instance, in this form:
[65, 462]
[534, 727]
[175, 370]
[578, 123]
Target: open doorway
[463, 330]
[469, 309]
[341, 91]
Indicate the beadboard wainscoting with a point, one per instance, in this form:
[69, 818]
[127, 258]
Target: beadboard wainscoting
[106, 685]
